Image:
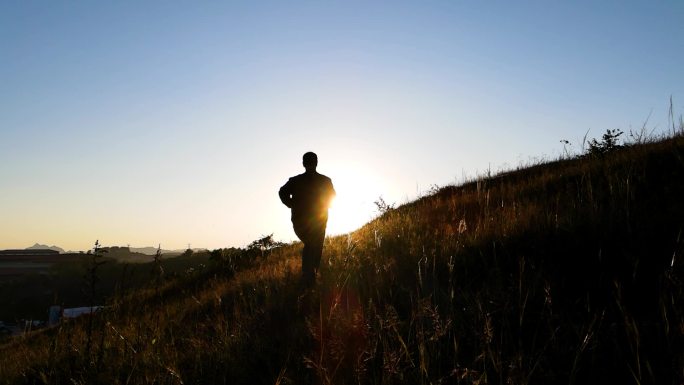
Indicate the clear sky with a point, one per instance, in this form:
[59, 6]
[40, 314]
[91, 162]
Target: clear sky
[175, 122]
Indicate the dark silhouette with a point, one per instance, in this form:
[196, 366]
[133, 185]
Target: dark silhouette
[308, 195]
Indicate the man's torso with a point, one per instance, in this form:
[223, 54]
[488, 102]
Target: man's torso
[311, 196]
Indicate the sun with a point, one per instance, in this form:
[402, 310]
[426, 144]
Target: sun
[353, 206]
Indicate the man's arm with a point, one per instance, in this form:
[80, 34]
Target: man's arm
[285, 194]
[331, 192]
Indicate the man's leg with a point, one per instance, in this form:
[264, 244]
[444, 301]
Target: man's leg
[317, 240]
[308, 267]
[308, 253]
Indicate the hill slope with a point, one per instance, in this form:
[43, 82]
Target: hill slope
[566, 272]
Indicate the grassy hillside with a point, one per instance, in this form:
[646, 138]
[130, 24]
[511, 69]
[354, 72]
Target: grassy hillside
[566, 272]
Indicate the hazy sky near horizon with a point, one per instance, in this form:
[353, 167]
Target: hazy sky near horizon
[169, 122]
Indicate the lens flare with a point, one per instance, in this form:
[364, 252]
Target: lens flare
[353, 206]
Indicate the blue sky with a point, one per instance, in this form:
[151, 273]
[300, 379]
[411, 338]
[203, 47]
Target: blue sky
[176, 122]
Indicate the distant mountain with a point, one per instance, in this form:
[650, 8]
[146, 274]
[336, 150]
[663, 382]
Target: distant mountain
[141, 250]
[38, 246]
[153, 250]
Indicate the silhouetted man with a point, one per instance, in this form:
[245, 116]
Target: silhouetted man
[309, 196]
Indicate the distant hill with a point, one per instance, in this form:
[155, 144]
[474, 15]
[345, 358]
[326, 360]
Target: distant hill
[148, 250]
[38, 246]
[142, 254]
[136, 250]
[153, 250]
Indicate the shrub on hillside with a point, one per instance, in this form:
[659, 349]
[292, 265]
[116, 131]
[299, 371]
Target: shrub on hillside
[609, 142]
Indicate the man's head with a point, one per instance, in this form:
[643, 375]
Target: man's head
[310, 161]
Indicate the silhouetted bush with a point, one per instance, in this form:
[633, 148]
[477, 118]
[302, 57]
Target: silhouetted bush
[609, 142]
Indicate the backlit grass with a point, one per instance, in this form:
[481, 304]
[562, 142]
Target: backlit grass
[564, 272]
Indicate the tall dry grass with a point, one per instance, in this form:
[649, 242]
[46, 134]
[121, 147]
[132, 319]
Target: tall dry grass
[565, 272]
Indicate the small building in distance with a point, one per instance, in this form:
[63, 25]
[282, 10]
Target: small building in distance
[57, 313]
[18, 253]
[26, 261]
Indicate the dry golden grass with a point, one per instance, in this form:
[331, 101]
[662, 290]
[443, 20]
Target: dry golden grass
[565, 272]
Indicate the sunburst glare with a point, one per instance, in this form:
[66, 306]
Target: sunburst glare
[356, 191]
